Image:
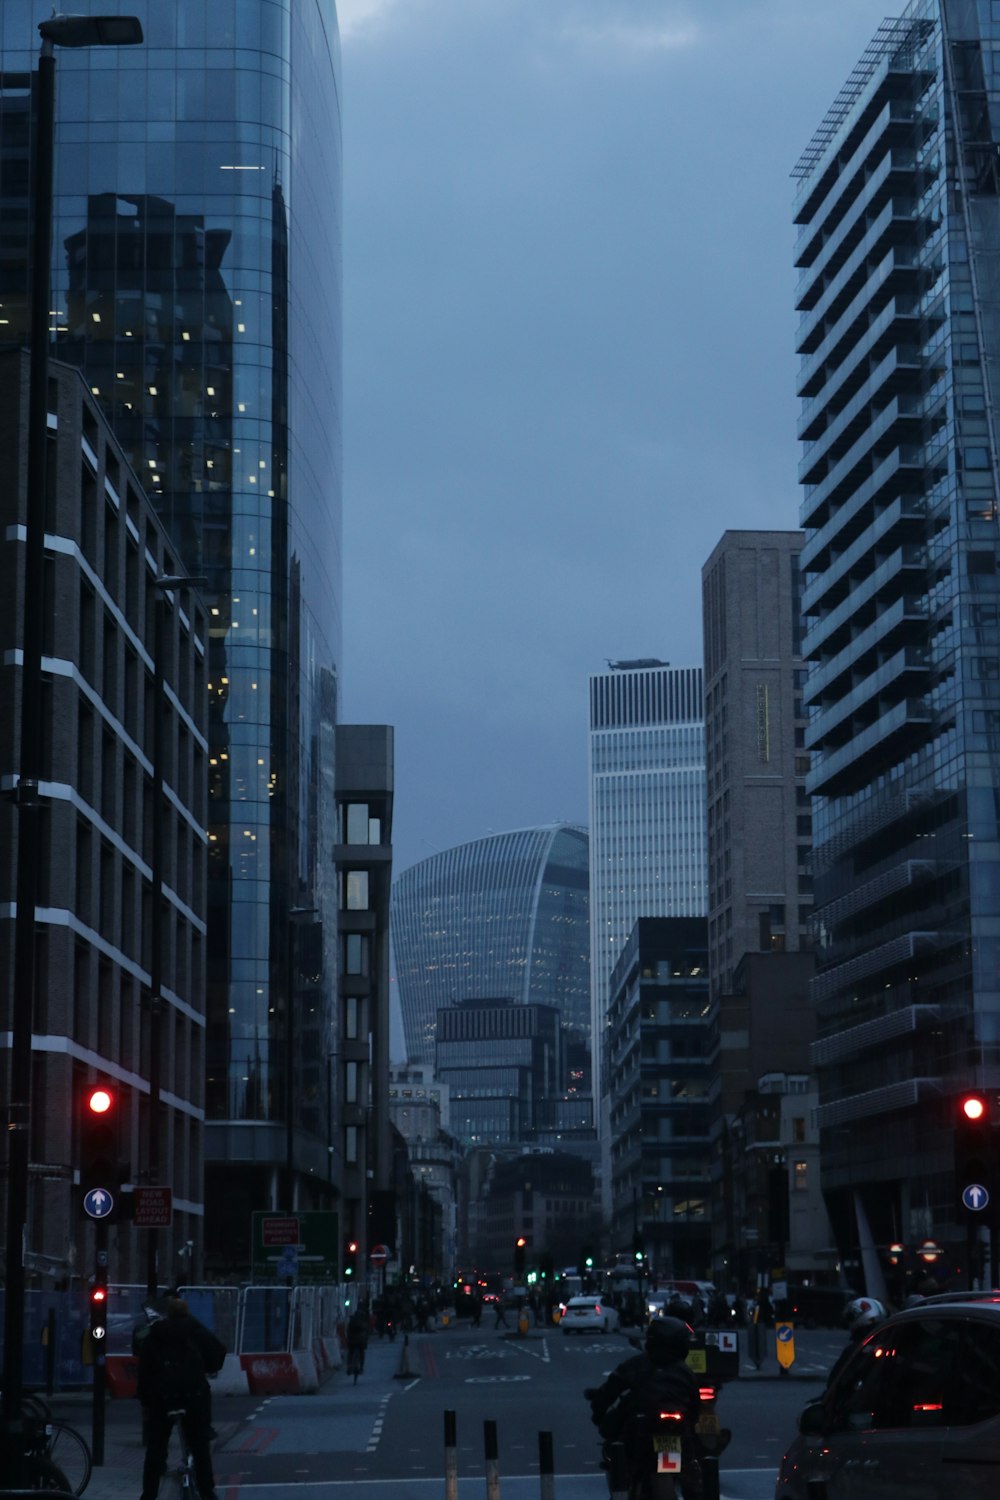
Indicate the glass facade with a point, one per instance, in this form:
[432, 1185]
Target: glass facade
[197, 285]
[504, 916]
[647, 808]
[898, 208]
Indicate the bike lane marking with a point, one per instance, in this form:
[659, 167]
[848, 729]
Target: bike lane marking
[379, 1423]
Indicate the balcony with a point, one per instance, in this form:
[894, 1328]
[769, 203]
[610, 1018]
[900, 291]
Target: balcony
[908, 668]
[892, 579]
[906, 514]
[897, 374]
[898, 732]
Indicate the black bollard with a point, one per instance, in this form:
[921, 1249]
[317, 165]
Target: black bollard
[492, 1461]
[617, 1472]
[710, 1477]
[816, 1489]
[546, 1466]
[450, 1457]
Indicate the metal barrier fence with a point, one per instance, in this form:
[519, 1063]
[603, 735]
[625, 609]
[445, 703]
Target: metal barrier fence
[249, 1320]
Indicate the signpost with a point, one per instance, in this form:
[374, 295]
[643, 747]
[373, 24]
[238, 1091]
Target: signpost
[784, 1334]
[152, 1207]
[303, 1246]
[378, 1255]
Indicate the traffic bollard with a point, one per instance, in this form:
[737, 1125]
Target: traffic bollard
[546, 1466]
[492, 1461]
[618, 1472]
[450, 1457]
[710, 1477]
[816, 1489]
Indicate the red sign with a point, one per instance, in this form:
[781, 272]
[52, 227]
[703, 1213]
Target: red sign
[152, 1207]
[379, 1254]
[283, 1231]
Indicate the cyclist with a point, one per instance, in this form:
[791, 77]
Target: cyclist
[357, 1339]
[174, 1359]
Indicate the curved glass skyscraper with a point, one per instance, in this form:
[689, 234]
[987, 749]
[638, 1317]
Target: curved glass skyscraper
[503, 917]
[197, 285]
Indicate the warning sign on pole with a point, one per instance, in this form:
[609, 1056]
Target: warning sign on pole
[784, 1334]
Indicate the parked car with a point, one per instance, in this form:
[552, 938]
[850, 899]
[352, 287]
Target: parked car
[915, 1412]
[587, 1314]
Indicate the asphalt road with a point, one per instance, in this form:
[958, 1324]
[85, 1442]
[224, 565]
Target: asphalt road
[384, 1437]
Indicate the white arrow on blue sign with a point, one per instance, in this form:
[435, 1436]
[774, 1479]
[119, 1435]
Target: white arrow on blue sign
[975, 1197]
[98, 1203]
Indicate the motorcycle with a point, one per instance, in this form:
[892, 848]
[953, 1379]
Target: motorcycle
[663, 1457]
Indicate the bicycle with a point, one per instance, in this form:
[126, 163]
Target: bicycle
[355, 1360]
[179, 1477]
[53, 1441]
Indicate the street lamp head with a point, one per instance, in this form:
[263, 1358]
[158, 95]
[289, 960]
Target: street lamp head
[91, 31]
[178, 581]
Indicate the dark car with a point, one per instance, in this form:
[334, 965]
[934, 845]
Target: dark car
[914, 1414]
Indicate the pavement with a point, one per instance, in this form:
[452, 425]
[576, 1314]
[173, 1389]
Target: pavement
[120, 1475]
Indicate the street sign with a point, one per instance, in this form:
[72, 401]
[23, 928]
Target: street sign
[378, 1255]
[98, 1203]
[975, 1197]
[307, 1242]
[152, 1207]
[785, 1336]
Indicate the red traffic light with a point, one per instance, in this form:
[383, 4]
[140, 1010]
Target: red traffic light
[974, 1107]
[521, 1242]
[352, 1246]
[98, 1294]
[99, 1100]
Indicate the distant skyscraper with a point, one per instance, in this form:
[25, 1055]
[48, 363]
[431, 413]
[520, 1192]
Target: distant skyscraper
[898, 209]
[759, 819]
[502, 916]
[647, 809]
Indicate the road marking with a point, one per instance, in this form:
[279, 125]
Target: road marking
[494, 1379]
[378, 1424]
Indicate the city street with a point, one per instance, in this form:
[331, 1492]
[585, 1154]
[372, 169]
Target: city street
[385, 1436]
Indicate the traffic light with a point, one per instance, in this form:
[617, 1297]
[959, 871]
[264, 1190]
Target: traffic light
[638, 1248]
[99, 1302]
[350, 1257]
[976, 1154]
[100, 1165]
[520, 1247]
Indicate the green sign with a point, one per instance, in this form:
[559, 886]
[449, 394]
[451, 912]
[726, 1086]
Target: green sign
[295, 1247]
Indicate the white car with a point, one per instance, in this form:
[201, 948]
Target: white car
[589, 1314]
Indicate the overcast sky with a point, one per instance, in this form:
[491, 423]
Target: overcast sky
[568, 360]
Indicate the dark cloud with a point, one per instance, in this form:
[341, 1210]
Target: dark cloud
[568, 360]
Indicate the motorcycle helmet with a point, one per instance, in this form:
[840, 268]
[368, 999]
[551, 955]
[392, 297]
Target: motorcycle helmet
[668, 1339]
[863, 1313]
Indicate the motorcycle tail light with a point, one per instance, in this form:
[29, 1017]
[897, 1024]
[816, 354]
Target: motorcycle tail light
[706, 1392]
[671, 1416]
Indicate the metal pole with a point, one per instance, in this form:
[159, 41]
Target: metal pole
[100, 1351]
[492, 1461]
[18, 1122]
[290, 1069]
[156, 937]
[710, 1477]
[546, 1467]
[450, 1456]
[617, 1472]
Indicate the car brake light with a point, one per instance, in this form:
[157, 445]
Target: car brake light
[929, 1406]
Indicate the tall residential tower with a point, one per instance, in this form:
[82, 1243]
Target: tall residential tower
[898, 214]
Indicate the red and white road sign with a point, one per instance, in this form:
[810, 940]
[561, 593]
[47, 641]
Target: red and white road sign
[378, 1255]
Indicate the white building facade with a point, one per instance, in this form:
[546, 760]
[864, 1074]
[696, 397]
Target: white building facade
[648, 848]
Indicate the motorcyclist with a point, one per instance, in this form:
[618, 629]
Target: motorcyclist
[620, 1407]
[862, 1316]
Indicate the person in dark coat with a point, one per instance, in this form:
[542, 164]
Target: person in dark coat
[175, 1358]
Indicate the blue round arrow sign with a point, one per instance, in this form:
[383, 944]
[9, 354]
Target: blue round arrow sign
[975, 1197]
[98, 1203]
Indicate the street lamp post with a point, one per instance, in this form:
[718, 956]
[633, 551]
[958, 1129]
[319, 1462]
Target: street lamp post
[167, 582]
[296, 914]
[61, 31]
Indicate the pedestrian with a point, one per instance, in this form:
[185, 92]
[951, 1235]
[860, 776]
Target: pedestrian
[175, 1358]
[501, 1312]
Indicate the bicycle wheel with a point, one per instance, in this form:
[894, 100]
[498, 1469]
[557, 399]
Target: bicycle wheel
[42, 1474]
[69, 1452]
